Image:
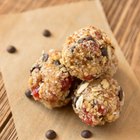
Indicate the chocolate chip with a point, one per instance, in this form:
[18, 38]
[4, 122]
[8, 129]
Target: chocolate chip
[35, 67]
[89, 58]
[85, 38]
[11, 49]
[28, 93]
[120, 94]
[57, 62]
[95, 102]
[89, 38]
[46, 33]
[81, 40]
[45, 57]
[86, 134]
[104, 51]
[72, 49]
[50, 134]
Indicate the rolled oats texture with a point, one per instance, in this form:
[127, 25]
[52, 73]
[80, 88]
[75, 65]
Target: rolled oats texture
[88, 53]
[50, 81]
[99, 102]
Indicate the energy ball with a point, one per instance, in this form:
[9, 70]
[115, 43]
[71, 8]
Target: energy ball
[89, 53]
[50, 81]
[99, 101]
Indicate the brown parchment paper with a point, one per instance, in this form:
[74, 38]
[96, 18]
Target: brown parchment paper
[24, 31]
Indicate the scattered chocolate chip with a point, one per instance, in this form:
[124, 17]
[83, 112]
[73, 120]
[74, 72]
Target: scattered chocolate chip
[50, 134]
[104, 51]
[45, 57]
[86, 134]
[120, 94]
[35, 67]
[46, 33]
[11, 49]
[89, 58]
[57, 62]
[28, 93]
[72, 49]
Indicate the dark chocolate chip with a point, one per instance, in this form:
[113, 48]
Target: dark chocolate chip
[89, 58]
[120, 94]
[95, 102]
[57, 62]
[46, 33]
[104, 51]
[28, 93]
[11, 49]
[86, 134]
[89, 38]
[81, 40]
[45, 57]
[72, 49]
[35, 67]
[85, 38]
[51, 134]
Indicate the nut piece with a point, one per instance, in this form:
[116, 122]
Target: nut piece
[79, 102]
[82, 87]
[105, 84]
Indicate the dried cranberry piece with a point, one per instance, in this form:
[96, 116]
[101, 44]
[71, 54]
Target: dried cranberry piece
[88, 119]
[35, 93]
[89, 77]
[102, 110]
[66, 83]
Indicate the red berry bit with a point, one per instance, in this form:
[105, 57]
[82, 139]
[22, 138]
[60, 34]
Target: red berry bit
[89, 77]
[66, 83]
[102, 110]
[87, 117]
[35, 94]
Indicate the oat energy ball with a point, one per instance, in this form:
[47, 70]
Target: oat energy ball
[50, 81]
[88, 53]
[99, 101]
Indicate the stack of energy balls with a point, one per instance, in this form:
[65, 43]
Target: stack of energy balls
[81, 72]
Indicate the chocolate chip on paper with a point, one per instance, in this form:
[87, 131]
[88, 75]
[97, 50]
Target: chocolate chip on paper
[86, 134]
[51, 134]
[46, 33]
[11, 49]
[28, 93]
